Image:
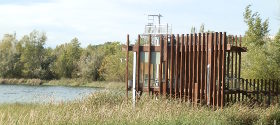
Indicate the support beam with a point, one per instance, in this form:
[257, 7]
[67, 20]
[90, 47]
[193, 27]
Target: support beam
[176, 65]
[160, 64]
[224, 42]
[166, 65]
[137, 65]
[182, 67]
[186, 67]
[190, 68]
[149, 63]
[171, 65]
[127, 55]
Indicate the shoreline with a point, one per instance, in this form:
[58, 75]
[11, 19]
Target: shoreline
[64, 82]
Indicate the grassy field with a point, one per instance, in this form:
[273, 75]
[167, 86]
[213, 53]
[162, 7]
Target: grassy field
[110, 107]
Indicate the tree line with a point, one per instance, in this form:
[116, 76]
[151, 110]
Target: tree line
[29, 58]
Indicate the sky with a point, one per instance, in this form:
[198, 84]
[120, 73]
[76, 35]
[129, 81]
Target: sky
[99, 21]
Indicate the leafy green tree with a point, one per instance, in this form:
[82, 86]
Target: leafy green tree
[113, 66]
[47, 63]
[10, 65]
[258, 61]
[33, 53]
[90, 63]
[257, 29]
[67, 57]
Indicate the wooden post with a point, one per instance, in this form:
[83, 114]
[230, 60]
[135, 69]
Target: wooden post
[171, 65]
[269, 91]
[186, 66]
[224, 43]
[166, 65]
[137, 66]
[250, 87]
[195, 94]
[190, 68]
[242, 89]
[176, 65]
[214, 69]
[149, 63]
[210, 68]
[182, 67]
[273, 90]
[246, 89]
[254, 88]
[265, 90]
[232, 82]
[194, 63]
[206, 65]
[160, 64]
[261, 90]
[239, 63]
[219, 69]
[258, 89]
[203, 66]
[127, 55]
[235, 81]
[198, 70]
[277, 89]
[227, 70]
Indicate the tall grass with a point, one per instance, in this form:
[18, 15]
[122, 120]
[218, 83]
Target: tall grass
[110, 107]
[66, 82]
[21, 81]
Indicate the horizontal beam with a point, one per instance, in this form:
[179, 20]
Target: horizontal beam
[232, 48]
[153, 89]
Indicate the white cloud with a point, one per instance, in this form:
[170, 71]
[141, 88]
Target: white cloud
[91, 21]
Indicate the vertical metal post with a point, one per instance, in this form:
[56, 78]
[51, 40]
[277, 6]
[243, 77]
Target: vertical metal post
[182, 67]
[149, 64]
[171, 65]
[127, 55]
[208, 84]
[134, 79]
[176, 65]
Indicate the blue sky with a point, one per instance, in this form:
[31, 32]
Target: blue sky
[98, 21]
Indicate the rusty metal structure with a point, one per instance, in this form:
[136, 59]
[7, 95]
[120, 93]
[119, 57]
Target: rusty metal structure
[200, 68]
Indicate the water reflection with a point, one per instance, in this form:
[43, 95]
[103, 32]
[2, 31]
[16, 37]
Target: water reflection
[42, 94]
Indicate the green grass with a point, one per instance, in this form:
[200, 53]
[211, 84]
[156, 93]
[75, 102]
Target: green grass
[110, 107]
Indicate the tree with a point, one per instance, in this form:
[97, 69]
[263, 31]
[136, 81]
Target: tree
[193, 30]
[10, 65]
[33, 53]
[67, 57]
[113, 66]
[90, 63]
[201, 30]
[47, 63]
[257, 29]
[258, 61]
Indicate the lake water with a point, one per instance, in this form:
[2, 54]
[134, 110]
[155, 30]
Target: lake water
[42, 94]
